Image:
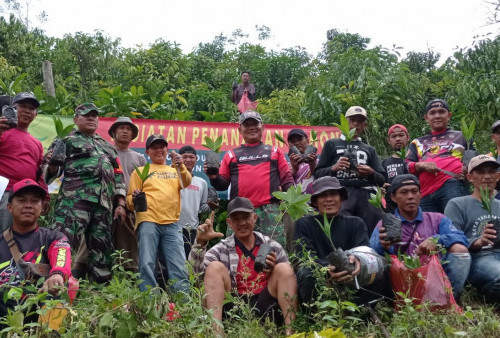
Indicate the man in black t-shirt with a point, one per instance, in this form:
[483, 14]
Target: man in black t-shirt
[361, 178]
[394, 165]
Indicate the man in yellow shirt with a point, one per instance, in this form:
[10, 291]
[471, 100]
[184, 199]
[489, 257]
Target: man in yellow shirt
[157, 227]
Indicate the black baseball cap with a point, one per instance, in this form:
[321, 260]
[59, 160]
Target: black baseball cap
[26, 97]
[239, 204]
[495, 126]
[187, 149]
[296, 132]
[437, 103]
[154, 139]
[325, 183]
[402, 180]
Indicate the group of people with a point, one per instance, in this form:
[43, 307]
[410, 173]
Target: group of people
[99, 207]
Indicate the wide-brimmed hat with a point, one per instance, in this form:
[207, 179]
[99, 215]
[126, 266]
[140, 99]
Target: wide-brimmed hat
[121, 121]
[325, 183]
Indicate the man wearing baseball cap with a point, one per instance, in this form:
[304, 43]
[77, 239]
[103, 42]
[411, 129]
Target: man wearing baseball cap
[301, 166]
[21, 154]
[394, 165]
[422, 231]
[346, 232]
[123, 131]
[33, 244]
[467, 214]
[361, 178]
[229, 267]
[256, 170]
[158, 227]
[436, 159]
[91, 195]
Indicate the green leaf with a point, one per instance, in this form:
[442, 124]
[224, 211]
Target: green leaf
[279, 138]
[106, 320]
[314, 136]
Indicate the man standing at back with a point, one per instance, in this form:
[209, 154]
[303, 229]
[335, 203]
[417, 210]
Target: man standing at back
[91, 189]
[436, 159]
[359, 179]
[123, 131]
[21, 154]
[245, 90]
[255, 171]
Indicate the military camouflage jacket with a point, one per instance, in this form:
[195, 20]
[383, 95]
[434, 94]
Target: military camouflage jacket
[92, 170]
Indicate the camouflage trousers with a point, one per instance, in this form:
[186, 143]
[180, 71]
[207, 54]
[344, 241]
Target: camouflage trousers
[124, 238]
[82, 219]
[267, 225]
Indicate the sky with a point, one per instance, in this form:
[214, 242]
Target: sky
[441, 25]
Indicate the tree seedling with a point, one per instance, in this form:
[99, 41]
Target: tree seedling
[468, 132]
[140, 201]
[58, 147]
[487, 199]
[402, 152]
[391, 223]
[213, 158]
[310, 149]
[349, 137]
[338, 258]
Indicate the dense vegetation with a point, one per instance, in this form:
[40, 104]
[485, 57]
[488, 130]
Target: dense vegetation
[294, 87]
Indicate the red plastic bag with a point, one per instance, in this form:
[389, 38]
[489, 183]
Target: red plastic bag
[246, 104]
[427, 283]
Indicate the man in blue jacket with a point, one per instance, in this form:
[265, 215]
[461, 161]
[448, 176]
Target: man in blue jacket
[422, 232]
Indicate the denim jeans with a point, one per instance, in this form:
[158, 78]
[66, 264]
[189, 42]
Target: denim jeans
[167, 238]
[457, 270]
[436, 202]
[485, 274]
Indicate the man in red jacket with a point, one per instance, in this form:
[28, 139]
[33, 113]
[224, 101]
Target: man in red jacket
[256, 170]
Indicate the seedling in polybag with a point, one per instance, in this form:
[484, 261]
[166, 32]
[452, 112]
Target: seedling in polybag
[213, 158]
[391, 223]
[349, 137]
[487, 199]
[140, 201]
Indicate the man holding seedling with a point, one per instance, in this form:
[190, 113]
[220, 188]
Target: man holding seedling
[361, 178]
[436, 159]
[394, 165]
[255, 171]
[301, 165]
[193, 200]
[21, 155]
[91, 195]
[323, 241]
[422, 232]
[230, 266]
[158, 227]
[470, 214]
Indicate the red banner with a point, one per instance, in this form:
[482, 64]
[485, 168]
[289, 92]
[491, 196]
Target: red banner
[180, 133]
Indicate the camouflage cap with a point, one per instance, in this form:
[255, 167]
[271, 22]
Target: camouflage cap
[86, 108]
[250, 114]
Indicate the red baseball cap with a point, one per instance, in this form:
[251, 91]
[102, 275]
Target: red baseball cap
[27, 184]
[400, 126]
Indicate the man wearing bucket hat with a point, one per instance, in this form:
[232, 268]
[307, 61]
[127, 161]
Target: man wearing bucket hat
[346, 233]
[123, 131]
[91, 195]
[230, 266]
[21, 154]
[421, 232]
[25, 242]
[480, 226]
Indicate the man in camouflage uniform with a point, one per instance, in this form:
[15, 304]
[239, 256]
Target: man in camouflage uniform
[92, 187]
